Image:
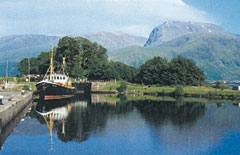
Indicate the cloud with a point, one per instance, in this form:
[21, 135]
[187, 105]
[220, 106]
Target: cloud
[63, 17]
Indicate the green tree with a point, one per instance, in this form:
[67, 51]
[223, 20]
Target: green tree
[23, 66]
[79, 53]
[77, 70]
[43, 60]
[100, 70]
[68, 48]
[183, 71]
[125, 72]
[154, 71]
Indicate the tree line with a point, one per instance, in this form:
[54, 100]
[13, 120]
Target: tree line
[85, 59]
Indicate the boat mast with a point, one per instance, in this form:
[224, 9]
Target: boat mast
[63, 65]
[51, 66]
[29, 70]
[50, 126]
[6, 75]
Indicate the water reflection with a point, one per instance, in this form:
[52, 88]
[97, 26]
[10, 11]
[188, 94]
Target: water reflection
[77, 120]
[179, 113]
[136, 125]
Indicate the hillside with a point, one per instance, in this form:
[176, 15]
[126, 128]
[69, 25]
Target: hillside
[114, 41]
[17, 47]
[217, 55]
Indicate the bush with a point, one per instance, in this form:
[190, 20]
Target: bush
[123, 87]
[220, 85]
[179, 91]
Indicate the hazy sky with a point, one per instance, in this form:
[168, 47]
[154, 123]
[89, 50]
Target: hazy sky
[137, 17]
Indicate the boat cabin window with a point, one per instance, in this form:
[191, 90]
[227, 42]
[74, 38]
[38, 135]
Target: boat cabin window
[57, 77]
[60, 78]
[64, 78]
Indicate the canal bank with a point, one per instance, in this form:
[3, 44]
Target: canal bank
[12, 104]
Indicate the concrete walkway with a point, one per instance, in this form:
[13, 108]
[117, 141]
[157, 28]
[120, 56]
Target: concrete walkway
[13, 102]
[9, 99]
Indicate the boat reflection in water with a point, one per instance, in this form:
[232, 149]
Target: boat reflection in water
[55, 113]
[77, 119]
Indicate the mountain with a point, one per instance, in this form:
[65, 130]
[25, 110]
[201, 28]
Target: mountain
[174, 29]
[17, 47]
[114, 41]
[217, 55]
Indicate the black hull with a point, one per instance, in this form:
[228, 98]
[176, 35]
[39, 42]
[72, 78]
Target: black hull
[48, 91]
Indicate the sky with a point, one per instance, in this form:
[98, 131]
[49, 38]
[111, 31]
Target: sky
[135, 17]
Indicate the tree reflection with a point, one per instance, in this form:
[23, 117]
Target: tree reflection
[179, 113]
[82, 121]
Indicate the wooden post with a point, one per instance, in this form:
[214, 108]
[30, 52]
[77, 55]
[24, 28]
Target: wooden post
[28, 69]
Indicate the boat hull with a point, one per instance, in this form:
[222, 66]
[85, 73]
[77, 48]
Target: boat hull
[50, 91]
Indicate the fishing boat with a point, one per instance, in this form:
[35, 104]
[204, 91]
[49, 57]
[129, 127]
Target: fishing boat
[55, 85]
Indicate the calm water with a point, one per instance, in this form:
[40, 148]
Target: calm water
[118, 126]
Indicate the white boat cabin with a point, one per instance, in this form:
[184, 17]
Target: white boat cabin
[58, 78]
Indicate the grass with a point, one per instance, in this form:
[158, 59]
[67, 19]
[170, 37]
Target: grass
[137, 88]
[20, 83]
[190, 90]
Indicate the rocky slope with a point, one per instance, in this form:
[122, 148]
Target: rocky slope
[175, 29]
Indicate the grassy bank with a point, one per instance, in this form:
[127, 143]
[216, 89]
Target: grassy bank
[188, 90]
[17, 84]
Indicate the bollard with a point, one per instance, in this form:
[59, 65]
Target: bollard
[22, 92]
[1, 102]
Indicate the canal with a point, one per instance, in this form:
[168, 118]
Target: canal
[127, 125]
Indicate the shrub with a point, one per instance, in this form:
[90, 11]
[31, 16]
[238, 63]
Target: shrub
[179, 91]
[123, 87]
[220, 85]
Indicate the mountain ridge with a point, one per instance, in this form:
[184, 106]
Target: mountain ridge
[17, 47]
[170, 30]
[115, 40]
